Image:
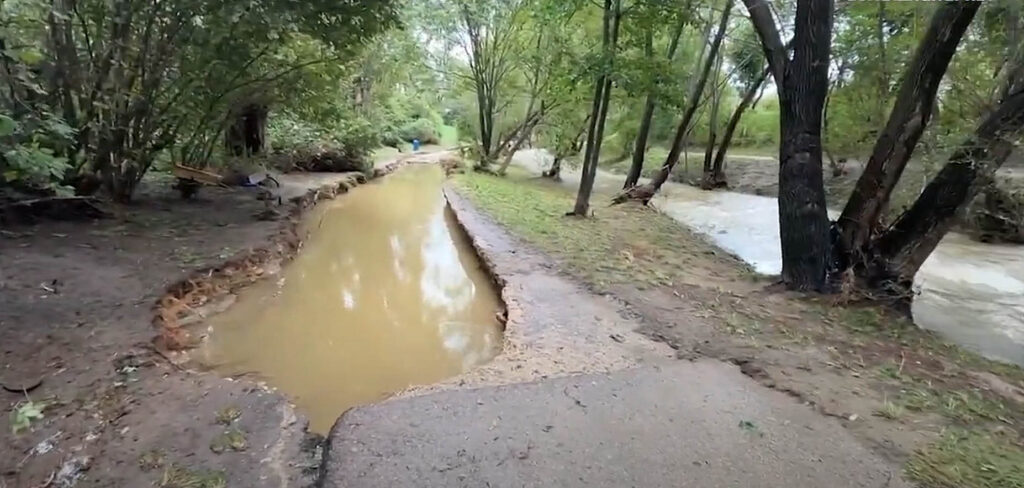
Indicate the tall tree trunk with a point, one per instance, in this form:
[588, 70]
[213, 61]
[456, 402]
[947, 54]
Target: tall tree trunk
[640, 145]
[650, 105]
[248, 133]
[708, 175]
[803, 218]
[907, 122]
[915, 234]
[803, 83]
[718, 169]
[613, 17]
[693, 102]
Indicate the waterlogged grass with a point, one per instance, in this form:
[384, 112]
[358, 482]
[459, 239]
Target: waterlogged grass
[969, 460]
[626, 243]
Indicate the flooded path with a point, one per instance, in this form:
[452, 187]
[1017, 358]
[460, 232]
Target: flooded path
[972, 293]
[385, 294]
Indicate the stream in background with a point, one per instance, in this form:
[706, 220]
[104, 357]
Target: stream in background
[973, 293]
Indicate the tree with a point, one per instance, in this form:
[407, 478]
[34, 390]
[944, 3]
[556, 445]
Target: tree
[907, 122]
[890, 257]
[904, 247]
[489, 31]
[651, 101]
[802, 82]
[548, 72]
[612, 18]
[136, 79]
[751, 74]
[646, 192]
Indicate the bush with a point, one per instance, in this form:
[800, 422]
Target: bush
[298, 145]
[27, 157]
[422, 129]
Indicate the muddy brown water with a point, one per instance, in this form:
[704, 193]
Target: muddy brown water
[385, 294]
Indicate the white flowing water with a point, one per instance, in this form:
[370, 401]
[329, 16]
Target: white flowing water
[973, 293]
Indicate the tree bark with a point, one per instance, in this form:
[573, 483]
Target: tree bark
[915, 234]
[612, 19]
[907, 122]
[803, 83]
[803, 218]
[718, 169]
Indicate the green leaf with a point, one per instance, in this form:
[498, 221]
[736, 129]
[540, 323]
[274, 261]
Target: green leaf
[7, 125]
[30, 56]
[24, 413]
[10, 175]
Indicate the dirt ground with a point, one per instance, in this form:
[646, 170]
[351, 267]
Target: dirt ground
[76, 307]
[901, 391]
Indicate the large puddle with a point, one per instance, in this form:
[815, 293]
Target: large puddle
[385, 294]
[973, 293]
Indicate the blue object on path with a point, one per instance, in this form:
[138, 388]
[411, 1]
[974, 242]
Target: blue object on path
[415, 144]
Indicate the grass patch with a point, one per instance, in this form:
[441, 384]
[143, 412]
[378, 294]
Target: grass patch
[891, 411]
[177, 476]
[964, 406]
[448, 135]
[621, 244]
[384, 154]
[227, 415]
[231, 439]
[969, 460]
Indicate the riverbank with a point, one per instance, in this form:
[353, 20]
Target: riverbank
[900, 390]
[756, 172]
[90, 399]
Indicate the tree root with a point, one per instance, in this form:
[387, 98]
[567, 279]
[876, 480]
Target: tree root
[643, 193]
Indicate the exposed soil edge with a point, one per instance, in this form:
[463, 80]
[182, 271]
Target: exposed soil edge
[511, 314]
[180, 304]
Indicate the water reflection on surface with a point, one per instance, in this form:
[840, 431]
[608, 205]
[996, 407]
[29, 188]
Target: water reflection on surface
[385, 294]
[971, 292]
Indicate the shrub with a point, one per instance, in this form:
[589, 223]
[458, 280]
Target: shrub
[422, 129]
[27, 157]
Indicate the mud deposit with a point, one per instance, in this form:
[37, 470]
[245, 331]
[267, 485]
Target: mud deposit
[385, 294]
